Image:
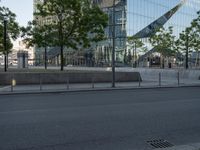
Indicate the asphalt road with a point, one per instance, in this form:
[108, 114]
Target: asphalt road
[110, 120]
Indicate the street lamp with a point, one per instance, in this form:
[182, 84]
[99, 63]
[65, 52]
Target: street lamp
[113, 50]
[5, 44]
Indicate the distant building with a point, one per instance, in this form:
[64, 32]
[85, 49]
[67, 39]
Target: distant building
[20, 46]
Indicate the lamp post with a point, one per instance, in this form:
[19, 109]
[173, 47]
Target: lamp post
[45, 51]
[5, 44]
[113, 50]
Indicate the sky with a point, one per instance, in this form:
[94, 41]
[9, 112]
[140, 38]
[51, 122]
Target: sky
[22, 8]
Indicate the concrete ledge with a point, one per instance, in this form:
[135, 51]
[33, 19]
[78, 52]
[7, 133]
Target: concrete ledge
[56, 78]
[168, 73]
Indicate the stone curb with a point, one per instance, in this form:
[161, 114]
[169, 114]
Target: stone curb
[92, 90]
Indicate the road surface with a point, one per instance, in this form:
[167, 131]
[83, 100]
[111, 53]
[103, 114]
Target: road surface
[107, 120]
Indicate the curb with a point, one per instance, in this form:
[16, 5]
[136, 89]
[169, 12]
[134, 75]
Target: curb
[94, 90]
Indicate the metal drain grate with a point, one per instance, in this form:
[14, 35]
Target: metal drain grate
[160, 143]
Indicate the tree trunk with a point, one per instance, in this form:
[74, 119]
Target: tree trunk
[162, 62]
[186, 59]
[5, 62]
[61, 44]
[61, 58]
[198, 59]
[187, 53]
[45, 57]
[5, 45]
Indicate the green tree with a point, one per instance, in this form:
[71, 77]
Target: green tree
[185, 43]
[8, 21]
[39, 36]
[76, 23]
[134, 43]
[164, 42]
[195, 26]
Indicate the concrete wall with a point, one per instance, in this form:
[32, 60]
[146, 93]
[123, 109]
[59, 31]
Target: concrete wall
[168, 73]
[55, 78]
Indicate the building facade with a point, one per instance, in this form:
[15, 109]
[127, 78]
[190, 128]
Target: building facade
[99, 53]
[132, 17]
[145, 15]
[103, 52]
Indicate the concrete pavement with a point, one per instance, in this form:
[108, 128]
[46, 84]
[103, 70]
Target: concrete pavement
[150, 83]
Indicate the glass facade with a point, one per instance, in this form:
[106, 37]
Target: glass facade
[142, 15]
[132, 16]
[104, 49]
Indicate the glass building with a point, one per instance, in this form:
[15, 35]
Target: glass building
[103, 52]
[133, 17]
[143, 16]
[143, 12]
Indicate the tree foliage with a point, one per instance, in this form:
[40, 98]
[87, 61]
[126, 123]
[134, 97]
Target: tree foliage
[12, 29]
[76, 23]
[133, 44]
[35, 35]
[164, 43]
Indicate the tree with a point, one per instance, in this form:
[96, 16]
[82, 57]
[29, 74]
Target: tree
[195, 26]
[76, 23]
[185, 43]
[9, 29]
[39, 36]
[134, 43]
[163, 41]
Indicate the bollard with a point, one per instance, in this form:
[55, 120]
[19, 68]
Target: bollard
[40, 83]
[178, 78]
[67, 83]
[159, 79]
[13, 83]
[139, 81]
[93, 82]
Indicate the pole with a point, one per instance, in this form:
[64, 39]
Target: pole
[113, 50]
[159, 79]
[5, 45]
[178, 78]
[45, 52]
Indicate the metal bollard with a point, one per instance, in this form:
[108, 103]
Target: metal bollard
[139, 81]
[13, 83]
[40, 82]
[159, 79]
[93, 82]
[67, 83]
[178, 78]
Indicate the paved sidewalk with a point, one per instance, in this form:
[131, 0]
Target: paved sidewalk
[96, 86]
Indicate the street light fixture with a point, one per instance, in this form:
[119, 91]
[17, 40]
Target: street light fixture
[113, 50]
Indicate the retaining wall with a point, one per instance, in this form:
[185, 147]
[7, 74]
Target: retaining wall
[168, 73]
[56, 78]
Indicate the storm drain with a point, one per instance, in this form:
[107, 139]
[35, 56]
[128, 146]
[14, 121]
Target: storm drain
[160, 143]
